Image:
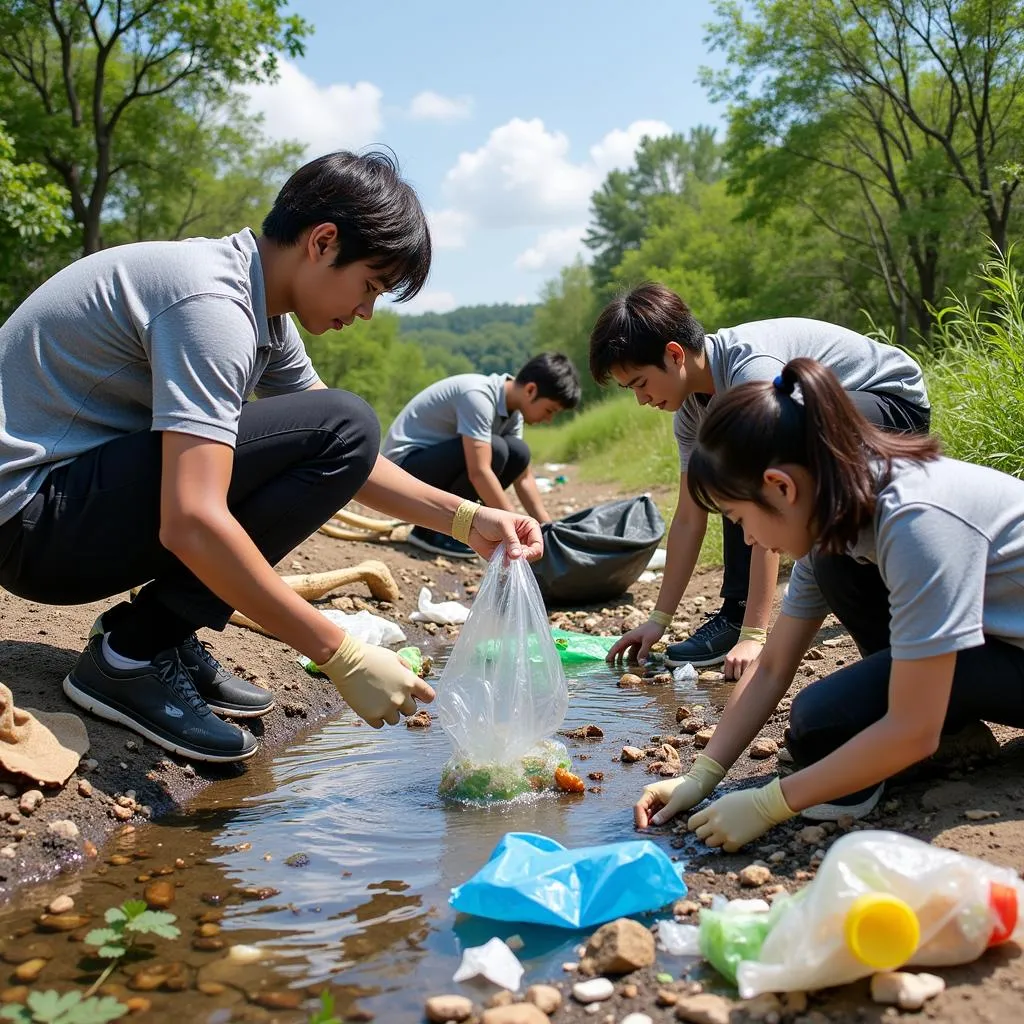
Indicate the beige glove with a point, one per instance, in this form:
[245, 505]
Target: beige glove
[736, 818]
[675, 795]
[375, 682]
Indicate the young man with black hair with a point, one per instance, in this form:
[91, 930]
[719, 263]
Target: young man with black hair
[130, 454]
[649, 341]
[464, 434]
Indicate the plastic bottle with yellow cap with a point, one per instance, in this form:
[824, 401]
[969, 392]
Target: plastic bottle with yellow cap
[880, 901]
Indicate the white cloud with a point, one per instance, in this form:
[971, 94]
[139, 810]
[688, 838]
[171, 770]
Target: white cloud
[323, 117]
[449, 228]
[427, 302]
[432, 106]
[552, 250]
[523, 174]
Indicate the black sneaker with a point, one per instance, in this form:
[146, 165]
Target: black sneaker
[225, 692]
[439, 543]
[707, 646]
[158, 702]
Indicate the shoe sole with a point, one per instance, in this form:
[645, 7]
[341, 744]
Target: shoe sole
[697, 663]
[96, 707]
[833, 812]
[424, 545]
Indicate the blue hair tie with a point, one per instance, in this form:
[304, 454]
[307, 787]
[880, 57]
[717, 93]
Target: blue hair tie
[779, 384]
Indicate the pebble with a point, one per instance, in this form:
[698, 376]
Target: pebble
[517, 1013]
[630, 679]
[762, 748]
[30, 800]
[631, 754]
[905, 990]
[979, 815]
[710, 676]
[596, 990]
[765, 1007]
[290, 1000]
[84, 788]
[29, 970]
[683, 908]
[243, 954]
[138, 1004]
[443, 1008]
[811, 835]
[666, 997]
[636, 1018]
[159, 895]
[546, 998]
[420, 720]
[619, 947]
[754, 875]
[703, 738]
[61, 905]
[703, 1009]
[682, 713]
[62, 922]
[64, 828]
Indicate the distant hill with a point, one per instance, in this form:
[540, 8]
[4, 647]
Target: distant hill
[467, 319]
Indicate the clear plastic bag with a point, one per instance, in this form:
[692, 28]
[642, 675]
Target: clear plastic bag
[503, 689]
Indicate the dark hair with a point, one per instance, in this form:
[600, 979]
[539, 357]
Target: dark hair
[377, 214]
[764, 423]
[555, 376]
[634, 329]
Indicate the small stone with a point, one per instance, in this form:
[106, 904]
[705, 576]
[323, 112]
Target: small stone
[795, 1002]
[703, 738]
[30, 800]
[631, 754]
[138, 1004]
[754, 875]
[762, 748]
[121, 813]
[15, 994]
[64, 828]
[703, 1009]
[682, 713]
[629, 991]
[212, 988]
[636, 1018]
[630, 679]
[546, 998]
[502, 998]
[710, 676]
[905, 990]
[979, 815]
[208, 943]
[61, 922]
[84, 788]
[596, 990]
[443, 1008]
[420, 720]
[619, 947]
[288, 1000]
[666, 997]
[61, 905]
[811, 835]
[517, 1013]
[28, 971]
[684, 908]
[765, 1007]
[159, 895]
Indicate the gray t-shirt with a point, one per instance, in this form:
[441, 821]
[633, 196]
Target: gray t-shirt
[467, 405]
[149, 336]
[948, 540]
[759, 350]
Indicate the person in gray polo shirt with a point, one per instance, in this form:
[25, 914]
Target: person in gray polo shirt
[464, 434]
[649, 341]
[920, 557]
[130, 454]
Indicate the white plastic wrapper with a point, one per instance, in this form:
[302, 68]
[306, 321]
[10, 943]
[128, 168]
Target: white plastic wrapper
[493, 961]
[365, 626]
[679, 939]
[444, 613]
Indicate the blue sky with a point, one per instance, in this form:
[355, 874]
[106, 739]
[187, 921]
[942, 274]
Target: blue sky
[505, 117]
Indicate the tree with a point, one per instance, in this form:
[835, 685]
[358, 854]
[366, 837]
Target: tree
[908, 109]
[88, 64]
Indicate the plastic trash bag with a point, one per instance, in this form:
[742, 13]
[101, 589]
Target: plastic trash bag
[598, 553]
[502, 690]
[465, 779]
[575, 647]
[444, 613]
[534, 879]
[495, 961]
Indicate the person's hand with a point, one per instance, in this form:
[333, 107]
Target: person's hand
[662, 801]
[375, 682]
[736, 818]
[744, 654]
[520, 534]
[636, 644]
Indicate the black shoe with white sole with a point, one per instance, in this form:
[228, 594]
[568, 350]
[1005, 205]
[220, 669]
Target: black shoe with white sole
[858, 805]
[158, 702]
[707, 646]
[225, 692]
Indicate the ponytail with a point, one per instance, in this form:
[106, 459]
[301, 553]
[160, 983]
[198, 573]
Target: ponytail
[803, 417]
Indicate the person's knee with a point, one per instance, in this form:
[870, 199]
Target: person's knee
[353, 422]
[518, 455]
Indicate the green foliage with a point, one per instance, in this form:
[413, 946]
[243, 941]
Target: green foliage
[67, 1008]
[325, 1014]
[468, 319]
[125, 924]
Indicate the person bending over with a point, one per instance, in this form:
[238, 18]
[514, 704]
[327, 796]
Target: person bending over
[131, 455]
[920, 557]
[650, 342]
[464, 434]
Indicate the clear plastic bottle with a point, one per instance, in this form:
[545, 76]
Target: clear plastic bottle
[880, 901]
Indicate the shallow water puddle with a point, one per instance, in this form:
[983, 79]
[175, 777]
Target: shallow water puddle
[337, 857]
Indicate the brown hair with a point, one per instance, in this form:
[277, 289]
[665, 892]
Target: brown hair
[634, 328]
[765, 423]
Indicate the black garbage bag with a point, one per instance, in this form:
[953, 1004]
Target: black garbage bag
[598, 553]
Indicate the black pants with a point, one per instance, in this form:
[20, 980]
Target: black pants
[93, 529]
[444, 465]
[885, 411]
[988, 681]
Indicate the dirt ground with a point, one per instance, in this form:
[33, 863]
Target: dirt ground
[124, 778]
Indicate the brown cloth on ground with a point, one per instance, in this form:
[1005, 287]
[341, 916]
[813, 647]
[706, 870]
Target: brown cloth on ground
[45, 746]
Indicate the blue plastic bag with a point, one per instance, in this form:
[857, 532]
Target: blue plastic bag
[530, 878]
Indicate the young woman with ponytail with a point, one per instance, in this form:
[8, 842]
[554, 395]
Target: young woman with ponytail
[920, 557]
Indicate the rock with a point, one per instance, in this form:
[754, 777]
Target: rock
[666, 997]
[762, 1007]
[138, 1004]
[907, 991]
[629, 991]
[546, 998]
[502, 998]
[667, 752]
[84, 788]
[442, 1008]
[159, 895]
[754, 875]
[784, 756]
[836, 641]
[631, 754]
[63, 828]
[703, 1009]
[517, 1013]
[30, 800]
[619, 947]
[939, 797]
[973, 740]
[795, 1002]
[710, 676]
[585, 732]
[684, 908]
[630, 679]
[636, 1018]
[287, 1000]
[61, 922]
[979, 815]
[61, 905]
[29, 970]
[682, 713]
[419, 720]
[762, 748]
[693, 725]
[596, 990]
[811, 835]
[813, 654]
[703, 738]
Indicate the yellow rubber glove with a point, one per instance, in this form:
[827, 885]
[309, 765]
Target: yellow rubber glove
[736, 818]
[675, 795]
[375, 682]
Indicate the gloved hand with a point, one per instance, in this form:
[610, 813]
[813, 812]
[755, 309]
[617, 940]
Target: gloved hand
[375, 682]
[670, 797]
[637, 643]
[736, 818]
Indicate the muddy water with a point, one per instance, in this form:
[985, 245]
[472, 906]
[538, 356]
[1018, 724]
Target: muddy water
[337, 858]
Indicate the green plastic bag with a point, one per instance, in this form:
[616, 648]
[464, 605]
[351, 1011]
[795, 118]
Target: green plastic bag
[576, 647]
[727, 938]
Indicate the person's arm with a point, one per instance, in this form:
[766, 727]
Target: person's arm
[529, 495]
[764, 575]
[685, 536]
[481, 476]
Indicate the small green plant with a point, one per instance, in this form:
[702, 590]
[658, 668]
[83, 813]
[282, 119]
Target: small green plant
[69, 1008]
[325, 1015]
[125, 925]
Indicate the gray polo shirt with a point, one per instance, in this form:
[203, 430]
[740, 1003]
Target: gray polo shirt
[149, 336]
[759, 351]
[467, 405]
[948, 540]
